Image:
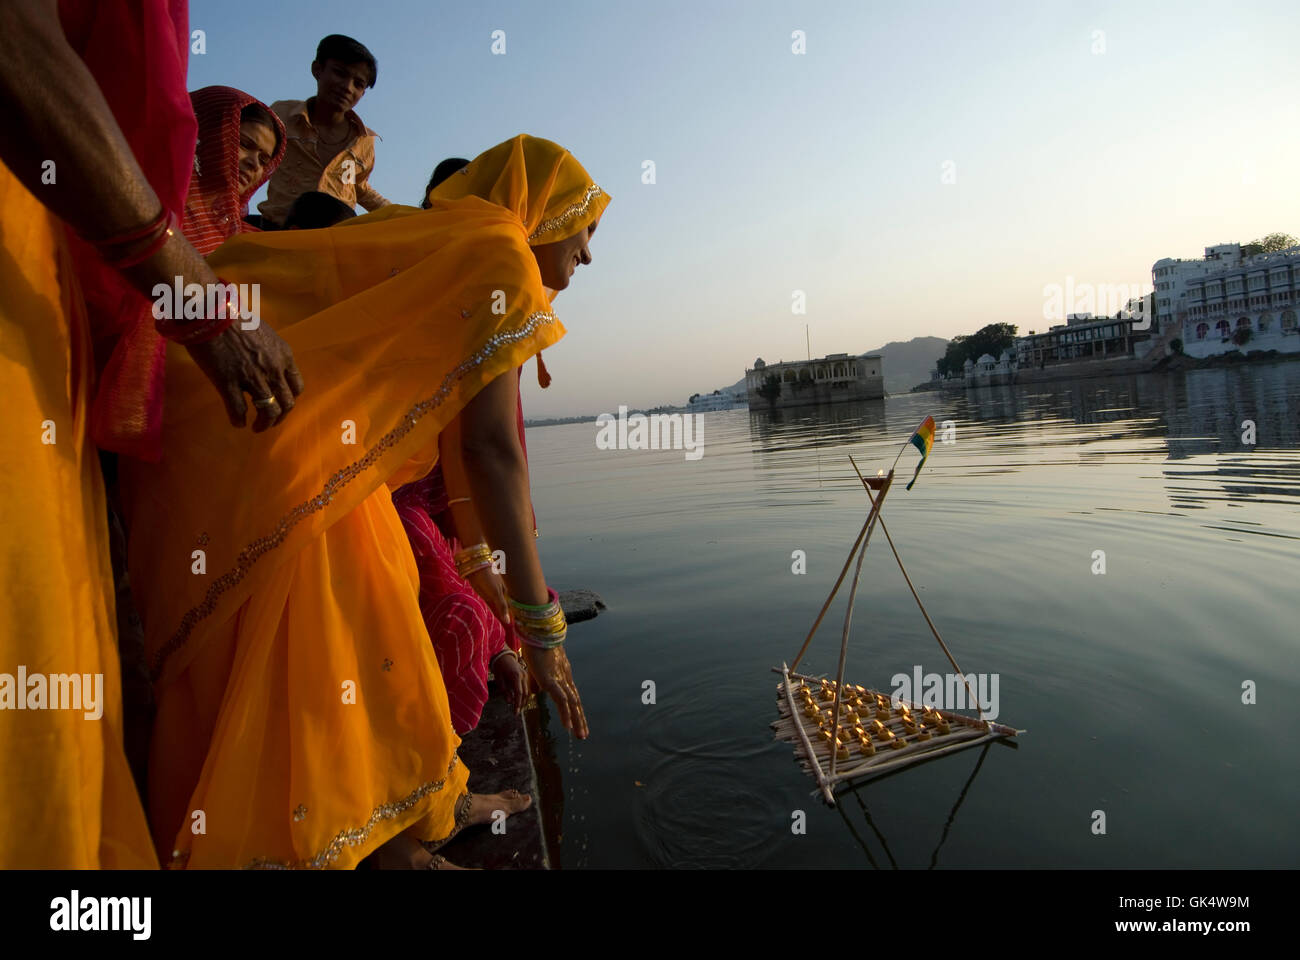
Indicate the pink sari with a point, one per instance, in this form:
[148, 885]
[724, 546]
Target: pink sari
[466, 634]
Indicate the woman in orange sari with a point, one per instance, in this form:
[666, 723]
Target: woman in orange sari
[302, 720]
[97, 150]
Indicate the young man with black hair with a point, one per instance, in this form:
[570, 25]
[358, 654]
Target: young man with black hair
[329, 148]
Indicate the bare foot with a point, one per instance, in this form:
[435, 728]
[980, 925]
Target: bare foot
[439, 862]
[483, 805]
[482, 809]
[407, 853]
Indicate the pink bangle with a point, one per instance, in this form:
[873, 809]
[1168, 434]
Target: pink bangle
[131, 236]
[169, 229]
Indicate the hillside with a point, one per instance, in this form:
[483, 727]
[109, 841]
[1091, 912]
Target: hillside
[909, 363]
[906, 363]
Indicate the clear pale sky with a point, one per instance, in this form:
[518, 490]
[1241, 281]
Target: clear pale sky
[821, 172]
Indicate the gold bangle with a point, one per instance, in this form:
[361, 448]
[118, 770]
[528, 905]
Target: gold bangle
[554, 628]
[472, 559]
[545, 620]
[506, 652]
[480, 551]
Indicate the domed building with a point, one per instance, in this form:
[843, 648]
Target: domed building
[988, 372]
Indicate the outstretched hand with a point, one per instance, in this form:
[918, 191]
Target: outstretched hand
[551, 673]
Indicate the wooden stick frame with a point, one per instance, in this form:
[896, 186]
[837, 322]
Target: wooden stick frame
[791, 725]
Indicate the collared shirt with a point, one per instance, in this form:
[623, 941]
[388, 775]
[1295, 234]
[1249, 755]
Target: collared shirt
[346, 176]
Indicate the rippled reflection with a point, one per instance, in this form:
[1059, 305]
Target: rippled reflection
[1122, 681]
[1175, 417]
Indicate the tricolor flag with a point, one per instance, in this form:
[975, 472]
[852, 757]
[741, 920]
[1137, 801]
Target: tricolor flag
[923, 440]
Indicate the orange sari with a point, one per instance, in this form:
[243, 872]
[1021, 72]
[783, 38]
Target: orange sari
[302, 720]
[66, 794]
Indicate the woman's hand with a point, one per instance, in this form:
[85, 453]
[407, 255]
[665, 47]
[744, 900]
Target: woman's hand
[256, 362]
[550, 672]
[492, 590]
[55, 113]
[509, 673]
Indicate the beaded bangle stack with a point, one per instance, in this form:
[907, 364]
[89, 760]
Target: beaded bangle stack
[473, 559]
[540, 625]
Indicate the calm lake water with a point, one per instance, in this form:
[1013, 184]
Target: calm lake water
[1128, 683]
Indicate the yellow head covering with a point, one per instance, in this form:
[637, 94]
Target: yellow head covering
[396, 319]
[538, 181]
[308, 586]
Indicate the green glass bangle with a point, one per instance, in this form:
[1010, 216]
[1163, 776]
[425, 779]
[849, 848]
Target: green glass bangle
[552, 599]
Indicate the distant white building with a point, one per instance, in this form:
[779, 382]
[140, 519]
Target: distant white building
[720, 400]
[1171, 277]
[1253, 300]
[830, 379]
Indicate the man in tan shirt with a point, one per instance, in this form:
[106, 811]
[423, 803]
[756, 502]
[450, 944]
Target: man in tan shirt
[329, 149]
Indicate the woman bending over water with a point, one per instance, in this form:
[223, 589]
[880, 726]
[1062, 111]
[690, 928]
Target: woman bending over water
[302, 717]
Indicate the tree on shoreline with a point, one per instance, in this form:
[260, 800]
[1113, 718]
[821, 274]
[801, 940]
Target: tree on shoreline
[1272, 243]
[992, 339]
[771, 388]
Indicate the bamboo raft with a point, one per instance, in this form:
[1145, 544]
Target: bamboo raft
[844, 732]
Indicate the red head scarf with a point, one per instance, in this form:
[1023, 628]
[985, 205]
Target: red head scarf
[215, 206]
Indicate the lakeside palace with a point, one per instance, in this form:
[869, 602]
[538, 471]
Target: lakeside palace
[835, 378]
